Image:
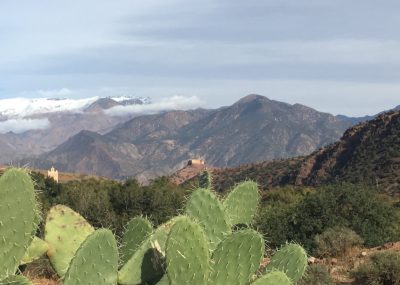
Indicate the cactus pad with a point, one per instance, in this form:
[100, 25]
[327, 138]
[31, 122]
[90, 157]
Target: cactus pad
[273, 278]
[18, 216]
[241, 203]
[147, 263]
[37, 248]
[205, 180]
[237, 258]
[16, 280]
[65, 231]
[95, 262]
[164, 280]
[204, 207]
[290, 259]
[137, 231]
[187, 254]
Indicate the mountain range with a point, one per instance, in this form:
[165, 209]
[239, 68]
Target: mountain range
[367, 153]
[253, 129]
[112, 137]
[50, 122]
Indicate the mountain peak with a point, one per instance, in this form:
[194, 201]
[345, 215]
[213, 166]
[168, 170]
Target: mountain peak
[252, 97]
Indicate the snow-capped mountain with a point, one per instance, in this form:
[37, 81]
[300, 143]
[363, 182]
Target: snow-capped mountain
[32, 126]
[25, 107]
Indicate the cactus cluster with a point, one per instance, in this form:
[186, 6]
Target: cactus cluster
[203, 246]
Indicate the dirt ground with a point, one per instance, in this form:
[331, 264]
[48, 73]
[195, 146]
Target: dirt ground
[340, 268]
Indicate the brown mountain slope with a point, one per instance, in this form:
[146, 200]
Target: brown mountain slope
[62, 126]
[253, 129]
[367, 153]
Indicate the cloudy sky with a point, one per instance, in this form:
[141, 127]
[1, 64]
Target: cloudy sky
[338, 56]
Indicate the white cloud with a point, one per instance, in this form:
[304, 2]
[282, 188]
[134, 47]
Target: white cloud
[22, 125]
[56, 93]
[172, 103]
[23, 107]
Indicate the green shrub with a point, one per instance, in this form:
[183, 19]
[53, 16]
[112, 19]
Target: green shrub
[383, 268]
[317, 275]
[336, 241]
[275, 215]
[347, 205]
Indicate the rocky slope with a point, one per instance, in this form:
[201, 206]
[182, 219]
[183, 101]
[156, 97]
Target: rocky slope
[65, 118]
[367, 153]
[253, 129]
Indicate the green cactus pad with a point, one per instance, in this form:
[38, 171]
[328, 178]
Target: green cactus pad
[16, 280]
[273, 278]
[164, 280]
[290, 259]
[95, 262]
[147, 263]
[37, 248]
[187, 253]
[241, 203]
[18, 215]
[205, 180]
[65, 231]
[137, 231]
[237, 258]
[204, 207]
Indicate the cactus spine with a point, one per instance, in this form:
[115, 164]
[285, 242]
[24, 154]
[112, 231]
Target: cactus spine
[187, 253]
[204, 207]
[137, 231]
[237, 258]
[273, 278]
[147, 263]
[205, 180]
[241, 203]
[95, 262]
[290, 259]
[65, 230]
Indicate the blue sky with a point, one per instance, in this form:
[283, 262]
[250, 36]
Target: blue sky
[336, 56]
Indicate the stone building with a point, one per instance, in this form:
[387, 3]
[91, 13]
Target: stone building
[53, 174]
[196, 162]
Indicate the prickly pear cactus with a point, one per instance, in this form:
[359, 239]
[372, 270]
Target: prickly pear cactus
[241, 203]
[147, 263]
[237, 258]
[137, 231]
[290, 259]
[37, 248]
[95, 262]
[205, 180]
[18, 219]
[164, 280]
[65, 231]
[187, 253]
[205, 208]
[273, 278]
[16, 280]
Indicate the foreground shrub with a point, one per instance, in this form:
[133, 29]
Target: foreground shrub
[336, 241]
[317, 275]
[383, 268]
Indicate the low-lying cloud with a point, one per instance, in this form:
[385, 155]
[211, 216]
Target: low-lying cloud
[22, 125]
[172, 103]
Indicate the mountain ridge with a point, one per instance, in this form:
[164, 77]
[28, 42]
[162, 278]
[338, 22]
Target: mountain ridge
[254, 128]
[367, 153]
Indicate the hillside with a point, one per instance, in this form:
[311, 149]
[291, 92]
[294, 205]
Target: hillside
[63, 118]
[253, 129]
[367, 153]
